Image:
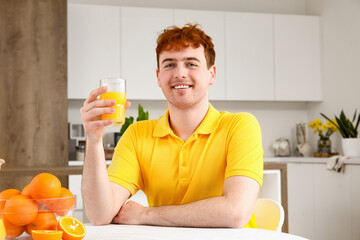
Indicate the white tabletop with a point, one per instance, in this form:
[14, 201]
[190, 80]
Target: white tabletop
[136, 232]
[133, 232]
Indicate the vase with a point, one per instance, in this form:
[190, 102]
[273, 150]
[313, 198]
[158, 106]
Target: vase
[351, 146]
[324, 146]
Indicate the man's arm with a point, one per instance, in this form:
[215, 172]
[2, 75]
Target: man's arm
[102, 199]
[233, 209]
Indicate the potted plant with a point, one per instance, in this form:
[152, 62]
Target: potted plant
[349, 131]
[142, 115]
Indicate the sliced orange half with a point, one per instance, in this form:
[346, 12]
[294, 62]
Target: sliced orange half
[73, 228]
[46, 234]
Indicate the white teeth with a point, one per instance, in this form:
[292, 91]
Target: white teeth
[181, 86]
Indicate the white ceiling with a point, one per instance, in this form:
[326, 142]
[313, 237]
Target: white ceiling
[265, 6]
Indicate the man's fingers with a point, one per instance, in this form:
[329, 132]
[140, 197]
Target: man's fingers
[95, 93]
[127, 104]
[96, 113]
[98, 104]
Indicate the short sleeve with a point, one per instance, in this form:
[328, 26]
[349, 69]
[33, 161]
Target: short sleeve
[124, 168]
[245, 153]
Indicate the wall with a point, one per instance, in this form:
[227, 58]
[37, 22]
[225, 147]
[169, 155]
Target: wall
[277, 119]
[341, 58]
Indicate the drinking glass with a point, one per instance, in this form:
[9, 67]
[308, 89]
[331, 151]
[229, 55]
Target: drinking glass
[117, 91]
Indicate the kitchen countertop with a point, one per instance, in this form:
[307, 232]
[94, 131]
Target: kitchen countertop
[350, 161]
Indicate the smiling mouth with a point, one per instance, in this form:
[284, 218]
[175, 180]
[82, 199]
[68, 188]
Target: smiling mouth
[182, 86]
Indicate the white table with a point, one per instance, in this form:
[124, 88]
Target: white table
[133, 232]
[137, 232]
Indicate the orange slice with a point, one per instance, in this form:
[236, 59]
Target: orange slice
[46, 234]
[73, 228]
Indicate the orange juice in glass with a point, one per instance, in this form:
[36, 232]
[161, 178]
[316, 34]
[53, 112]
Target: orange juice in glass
[117, 91]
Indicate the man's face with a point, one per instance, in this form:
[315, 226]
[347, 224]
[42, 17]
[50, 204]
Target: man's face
[183, 76]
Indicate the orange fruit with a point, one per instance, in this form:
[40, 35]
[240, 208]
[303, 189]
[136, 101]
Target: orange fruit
[45, 185]
[6, 194]
[20, 210]
[63, 204]
[43, 221]
[73, 228]
[46, 234]
[26, 190]
[12, 230]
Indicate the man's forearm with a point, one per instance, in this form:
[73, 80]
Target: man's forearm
[211, 212]
[233, 209]
[96, 188]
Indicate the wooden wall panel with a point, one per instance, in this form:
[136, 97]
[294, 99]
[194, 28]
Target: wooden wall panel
[33, 83]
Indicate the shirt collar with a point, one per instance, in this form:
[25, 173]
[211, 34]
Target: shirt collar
[207, 126]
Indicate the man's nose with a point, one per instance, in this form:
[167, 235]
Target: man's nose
[180, 72]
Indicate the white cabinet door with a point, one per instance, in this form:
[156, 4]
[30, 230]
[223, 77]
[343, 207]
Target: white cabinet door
[212, 22]
[249, 56]
[298, 74]
[93, 47]
[321, 202]
[332, 203]
[140, 28]
[301, 202]
[354, 202]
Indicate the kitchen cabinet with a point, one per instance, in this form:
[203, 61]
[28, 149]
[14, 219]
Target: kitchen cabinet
[139, 31]
[298, 74]
[249, 56]
[324, 204]
[93, 47]
[273, 57]
[260, 57]
[212, 22]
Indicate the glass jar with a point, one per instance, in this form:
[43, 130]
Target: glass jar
[324, 146]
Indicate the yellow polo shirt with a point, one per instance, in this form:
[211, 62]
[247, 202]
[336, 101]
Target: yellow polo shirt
[150, 157]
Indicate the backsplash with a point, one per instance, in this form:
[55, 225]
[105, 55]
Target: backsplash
[276, 119]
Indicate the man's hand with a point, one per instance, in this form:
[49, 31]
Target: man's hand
[91, 114]
[130, 213]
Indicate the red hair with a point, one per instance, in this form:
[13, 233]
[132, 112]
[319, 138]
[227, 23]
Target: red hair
[175, 38]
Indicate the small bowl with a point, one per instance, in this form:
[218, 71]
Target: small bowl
[18, 213]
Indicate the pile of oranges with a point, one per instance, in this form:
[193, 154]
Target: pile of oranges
[35, 208]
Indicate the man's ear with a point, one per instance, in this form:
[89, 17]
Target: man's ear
[157, 76]
[212, 72]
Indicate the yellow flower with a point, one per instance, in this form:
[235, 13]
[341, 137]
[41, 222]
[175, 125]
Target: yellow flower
[331, 126]
[316, 123]
[324, 130]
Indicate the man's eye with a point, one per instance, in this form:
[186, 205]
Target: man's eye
[169, 65]
[192, 65]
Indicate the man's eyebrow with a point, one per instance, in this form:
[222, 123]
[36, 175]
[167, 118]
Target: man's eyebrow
[185, 59]
[192, 59]
[168, 60]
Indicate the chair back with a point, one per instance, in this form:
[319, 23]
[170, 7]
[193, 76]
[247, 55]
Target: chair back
[269, 214]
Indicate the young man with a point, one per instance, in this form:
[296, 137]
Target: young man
[198, 167]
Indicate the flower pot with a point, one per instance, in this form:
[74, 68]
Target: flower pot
[351, 146]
